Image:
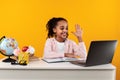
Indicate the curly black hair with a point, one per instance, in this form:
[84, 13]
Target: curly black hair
[52, 24]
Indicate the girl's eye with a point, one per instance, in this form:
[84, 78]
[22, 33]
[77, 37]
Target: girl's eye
[62, 28]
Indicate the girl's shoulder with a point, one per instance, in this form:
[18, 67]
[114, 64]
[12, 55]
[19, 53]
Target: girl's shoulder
[50, 40]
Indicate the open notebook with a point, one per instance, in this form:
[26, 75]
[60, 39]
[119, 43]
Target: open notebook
[65, 59]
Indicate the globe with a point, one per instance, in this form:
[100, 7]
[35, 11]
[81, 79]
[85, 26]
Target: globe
[7, 46]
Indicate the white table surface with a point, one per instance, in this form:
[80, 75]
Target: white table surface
[40, 64]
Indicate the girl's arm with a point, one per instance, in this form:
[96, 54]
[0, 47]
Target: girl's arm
[71, 55]
[79, 49]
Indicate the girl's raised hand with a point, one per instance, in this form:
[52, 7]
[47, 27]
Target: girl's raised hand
[78, 32]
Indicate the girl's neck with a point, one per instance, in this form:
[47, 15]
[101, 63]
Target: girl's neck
[59, 39]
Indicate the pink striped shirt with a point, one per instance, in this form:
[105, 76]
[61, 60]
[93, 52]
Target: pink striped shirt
[50, 49]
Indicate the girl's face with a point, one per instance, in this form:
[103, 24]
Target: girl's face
[61, 30]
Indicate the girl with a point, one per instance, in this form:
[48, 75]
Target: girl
[58, 45]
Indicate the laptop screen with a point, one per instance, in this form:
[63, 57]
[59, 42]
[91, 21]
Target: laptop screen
[101, 52]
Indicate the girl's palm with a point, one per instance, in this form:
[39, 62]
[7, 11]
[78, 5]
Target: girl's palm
[78, 32]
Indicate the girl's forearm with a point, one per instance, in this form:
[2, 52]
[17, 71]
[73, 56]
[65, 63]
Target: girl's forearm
[80, 39]
[69, 55]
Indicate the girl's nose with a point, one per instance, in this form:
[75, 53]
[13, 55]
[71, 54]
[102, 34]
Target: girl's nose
[65, 30]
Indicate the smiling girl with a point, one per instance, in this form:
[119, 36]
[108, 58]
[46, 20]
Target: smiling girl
[58, 45]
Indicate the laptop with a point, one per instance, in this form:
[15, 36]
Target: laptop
[100, 52]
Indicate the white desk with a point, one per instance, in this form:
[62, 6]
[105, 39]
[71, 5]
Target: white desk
[40, 70]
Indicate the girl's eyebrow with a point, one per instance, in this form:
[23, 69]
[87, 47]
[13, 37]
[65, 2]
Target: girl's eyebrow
[61, 26]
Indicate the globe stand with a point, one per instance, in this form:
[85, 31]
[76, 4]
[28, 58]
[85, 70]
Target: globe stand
[8, 59]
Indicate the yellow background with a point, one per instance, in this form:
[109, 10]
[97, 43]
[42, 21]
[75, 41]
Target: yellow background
[25, 21]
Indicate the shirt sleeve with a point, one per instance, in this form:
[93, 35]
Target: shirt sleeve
[80, 49]
[49, 51]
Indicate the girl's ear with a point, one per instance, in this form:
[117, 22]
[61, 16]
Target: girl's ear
[54, 30]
